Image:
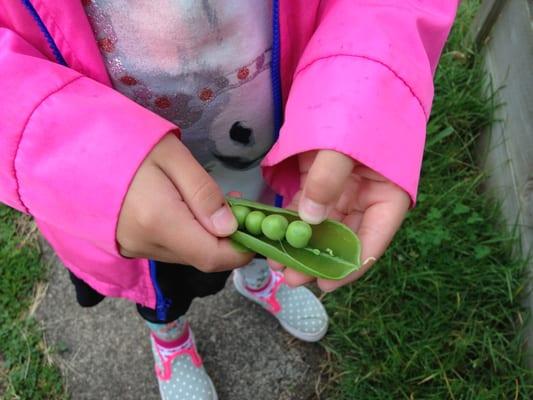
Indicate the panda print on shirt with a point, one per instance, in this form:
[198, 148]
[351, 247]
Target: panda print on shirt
[204, 65]
[226, 122]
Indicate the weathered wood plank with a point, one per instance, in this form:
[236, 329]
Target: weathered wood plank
[484, 21]
[508, 147]
[509, 59]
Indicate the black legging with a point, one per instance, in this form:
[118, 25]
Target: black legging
[180, 284]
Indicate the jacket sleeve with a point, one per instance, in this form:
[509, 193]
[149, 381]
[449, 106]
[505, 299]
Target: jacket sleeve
[364, 87]
[69, 146]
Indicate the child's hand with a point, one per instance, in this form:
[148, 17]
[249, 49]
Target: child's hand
[175, 212]
[334, 186]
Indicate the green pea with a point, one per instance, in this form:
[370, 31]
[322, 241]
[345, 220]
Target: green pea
[274, 226]
[332, 252]
[298, 234]
[253, 222]
[240, 213]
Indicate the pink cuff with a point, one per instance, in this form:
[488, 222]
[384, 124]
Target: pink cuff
[372, 117]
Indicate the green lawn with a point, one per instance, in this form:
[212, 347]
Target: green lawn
[439, 317]
[25, 368]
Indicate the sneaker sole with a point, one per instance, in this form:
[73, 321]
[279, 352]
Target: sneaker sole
[214, 389]
[306, 337]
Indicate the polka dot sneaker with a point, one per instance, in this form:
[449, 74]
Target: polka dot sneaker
[179, 369]
[298, 310]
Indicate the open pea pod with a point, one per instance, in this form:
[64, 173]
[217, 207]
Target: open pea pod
[333, 251]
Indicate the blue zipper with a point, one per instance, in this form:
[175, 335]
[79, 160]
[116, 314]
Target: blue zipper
[162, 303]
[275, 74]
[55, 50]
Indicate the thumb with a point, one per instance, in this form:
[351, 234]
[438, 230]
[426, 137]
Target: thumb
[199, 191]
[324, 184]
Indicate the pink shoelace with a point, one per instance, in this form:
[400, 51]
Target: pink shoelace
[167, 352]
[268, 294]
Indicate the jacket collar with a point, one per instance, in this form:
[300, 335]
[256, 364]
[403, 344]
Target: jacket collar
[70, 29]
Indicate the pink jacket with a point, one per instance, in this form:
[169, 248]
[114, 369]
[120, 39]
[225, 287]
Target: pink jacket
[356, 77]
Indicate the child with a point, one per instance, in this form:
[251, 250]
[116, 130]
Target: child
[124, 122]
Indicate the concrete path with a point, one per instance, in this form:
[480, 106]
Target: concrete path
[104, 351]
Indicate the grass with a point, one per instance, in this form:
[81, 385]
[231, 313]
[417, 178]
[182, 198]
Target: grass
[439, 317]
[25, 368]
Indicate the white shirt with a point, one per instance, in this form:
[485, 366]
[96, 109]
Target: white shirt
[204, 65]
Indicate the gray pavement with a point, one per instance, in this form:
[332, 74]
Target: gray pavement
[104, 351]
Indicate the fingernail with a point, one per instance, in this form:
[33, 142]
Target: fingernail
[311, 211]
[223, 221]
[370, 260]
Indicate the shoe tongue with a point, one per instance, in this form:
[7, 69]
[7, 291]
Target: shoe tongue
[169, 351]
[265, 287]
[267, 290]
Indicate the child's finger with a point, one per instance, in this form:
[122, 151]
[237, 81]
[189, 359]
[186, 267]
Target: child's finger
[161, 226]
[276, 266]
[198, 189]
[154, 252]
[377, 228]
[295, 278]
[324, 184]
[188, 240]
